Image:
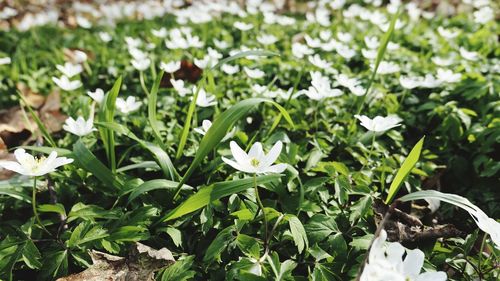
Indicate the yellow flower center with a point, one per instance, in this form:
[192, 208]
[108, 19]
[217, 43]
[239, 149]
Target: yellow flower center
[254, 162]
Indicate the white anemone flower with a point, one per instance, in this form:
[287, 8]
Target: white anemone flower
[430, 81]
[179, 87]
[70, 69]
[300, 50]
[65, 84]
[170, 67]
[345, 51]
[447, 33]
[141, 64]
[320, 88]
[254, 73]
[379, 124]
[386, 263]
[370, 54]
[408, 82]
[256, 161]
[440, 61]
[267, 39]
[30, 166]
[468, 55]
[448, 76]
[126, 106]
[204, 99]
[105, 37]
[160, 33]
[230, 69]
[97, 95]
[387, 67]
[80, 126]
[205, 126]
[5, 60]
[484, 15]
[318, 62]
[243, 26]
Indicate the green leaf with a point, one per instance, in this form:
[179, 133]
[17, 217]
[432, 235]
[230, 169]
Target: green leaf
[152, 99]
[55, 265]
[405, 170]
[219, 129]
[180, 270]
[52, 208]
[298, 233]
[281, 270]
[221, 241]
[91, 212]
[106, 114]
[189, 117]
[360, 208]
[48, 150]
[215, 191]
[31, 255]
[129, 233]
[153, 185]
[13, 189]
[86, 232]
[86, 160]
[320, 227]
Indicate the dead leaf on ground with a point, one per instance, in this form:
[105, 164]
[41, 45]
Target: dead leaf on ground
[139, 265]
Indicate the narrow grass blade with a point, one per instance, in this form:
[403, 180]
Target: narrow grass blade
[152, 99]
[45, 133]
[220, 127]
[380, 54]
[405, 170]
[106, 114]
[187, 125]
[48, 150]
[87, 161]
[160, 156]
[153, 185]
[216, 191]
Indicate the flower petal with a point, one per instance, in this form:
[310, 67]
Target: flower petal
[413, 262]
[239, 154]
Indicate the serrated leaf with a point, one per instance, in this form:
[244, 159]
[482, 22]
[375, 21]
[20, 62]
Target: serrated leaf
[320, 226]
[221, 241]
[298, 233]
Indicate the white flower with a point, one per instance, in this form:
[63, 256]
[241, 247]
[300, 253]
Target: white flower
[488, 225]
[318, 62]
[337, 4]
[358, 90]
[243, 26]
[484, 15]
[256, 161]
[344, 37]
[179, 87]
[132, 42]
[266, 39]
[79, 56]
[65, 84]
[379, 124]
[300, 50]
[468, 55]
[221, 44]
[312, 42]
[442, 61]
[230, 69]
[204, 99]
[325, 34]
[371, 42]
[430, 81]
[170, 67]
[206, 124]
[127, 106]
[137, 54]
[345, 51]
[83, 22]
[141, 65]
[97, 95]
[386, 67]
[447, 33]
[320, 87]
[160, 33]
[79, 127]
[347, 82]
[259, 89]
[370, 54]
[70, 69]
[386, 263]
[447, 76]
[105, 37]
[30, 166]
[254, 73]
[5, 60]
[409, 82]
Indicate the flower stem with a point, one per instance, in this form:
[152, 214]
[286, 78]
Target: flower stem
[261, 206]
[33, 205]
[143, 84]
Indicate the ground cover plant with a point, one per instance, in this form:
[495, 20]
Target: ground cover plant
[262, 140]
